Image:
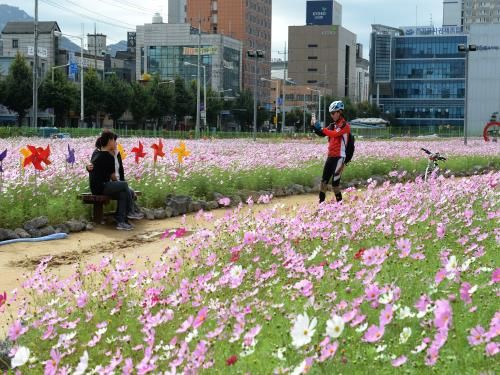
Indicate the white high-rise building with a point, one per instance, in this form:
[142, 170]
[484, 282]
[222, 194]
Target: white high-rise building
[467, 12]
[176, 11]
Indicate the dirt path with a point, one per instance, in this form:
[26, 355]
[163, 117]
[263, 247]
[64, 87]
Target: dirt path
[88, 247]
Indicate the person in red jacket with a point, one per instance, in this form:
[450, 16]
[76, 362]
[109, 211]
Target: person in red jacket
[338, 136]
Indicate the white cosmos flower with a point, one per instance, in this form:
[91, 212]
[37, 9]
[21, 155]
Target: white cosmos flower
[83, 364]
[386, 298]
[473, 289]
[303, 330]
[334, 326]
[236, 272]
[405, 335]
[452, 264]
[279, 354]
[192, 335]
[299, 369]
[21, 357]
[404, 313]
[380, 348]
[362, 328]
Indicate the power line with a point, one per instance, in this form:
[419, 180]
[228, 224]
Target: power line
[97, 14]
[134, 7]
[95, 19]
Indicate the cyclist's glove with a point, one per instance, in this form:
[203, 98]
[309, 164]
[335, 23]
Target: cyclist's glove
[318, 129]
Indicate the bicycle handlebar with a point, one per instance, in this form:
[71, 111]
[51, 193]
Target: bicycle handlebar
[433, 156]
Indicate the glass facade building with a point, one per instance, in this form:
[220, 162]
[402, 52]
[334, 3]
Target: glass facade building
[418, 79]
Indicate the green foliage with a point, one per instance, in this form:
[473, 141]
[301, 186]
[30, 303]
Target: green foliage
[94, 93]
[18, 88]
[185, 100]
[116, 97]
[161, 101]
[139, 104]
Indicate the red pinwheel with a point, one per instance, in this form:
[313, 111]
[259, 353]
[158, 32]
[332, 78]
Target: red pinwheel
[38, 156]
[139, 152]
[2, 156]
[158, 150]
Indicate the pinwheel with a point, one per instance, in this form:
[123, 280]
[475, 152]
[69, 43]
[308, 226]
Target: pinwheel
[71, 156]
[37, 156]
[158, 150]
[139, 152]
[122, 152]
[2, 156]
[181, 152]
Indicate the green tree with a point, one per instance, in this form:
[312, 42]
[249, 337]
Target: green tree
[19, 88]
[162, 99]
[184, 100]
[117, 97]
[139, 104]
[3, 90]
[215, 103]
[93, 94]
[59, 95]
[243, 110]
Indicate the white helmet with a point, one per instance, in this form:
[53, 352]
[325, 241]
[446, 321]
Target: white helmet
[336, 106]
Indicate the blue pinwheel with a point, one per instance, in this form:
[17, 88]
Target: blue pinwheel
[71, 156]
[2, 156]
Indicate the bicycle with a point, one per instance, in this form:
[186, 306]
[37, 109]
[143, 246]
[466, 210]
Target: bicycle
[432, 161]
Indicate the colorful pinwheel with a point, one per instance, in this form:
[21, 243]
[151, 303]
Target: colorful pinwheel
[2, 156]
[122, 152]
[158, 150]
[139, 152]
[181, 152]
[71, 156]
[37, 156]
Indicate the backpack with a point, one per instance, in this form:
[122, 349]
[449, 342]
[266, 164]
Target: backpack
[349, 148]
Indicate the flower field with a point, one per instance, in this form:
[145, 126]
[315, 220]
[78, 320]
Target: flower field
[224, 166]
[399, 277]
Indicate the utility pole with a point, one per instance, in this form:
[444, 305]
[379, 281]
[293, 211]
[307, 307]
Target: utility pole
[284, 86]
[197, 125]
[35, 69]
[95, 47]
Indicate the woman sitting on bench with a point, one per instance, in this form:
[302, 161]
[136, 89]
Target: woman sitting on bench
[104, 181]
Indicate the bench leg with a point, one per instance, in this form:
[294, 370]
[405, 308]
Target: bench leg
[98, 213]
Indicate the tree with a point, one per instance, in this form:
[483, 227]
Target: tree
[139, 104]
[59, 95]
[162, 99]
[243, 110]
[19, 88]
[3, 90]
[184, 100]
[94, 94]
[116, 98]
[215, 103]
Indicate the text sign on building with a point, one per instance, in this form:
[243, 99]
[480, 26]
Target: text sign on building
[42, 52]
[319, 13]
[431, 30]
[190, 51]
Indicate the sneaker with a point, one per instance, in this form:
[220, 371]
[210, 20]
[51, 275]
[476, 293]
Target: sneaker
[135, 216]
[124, 226]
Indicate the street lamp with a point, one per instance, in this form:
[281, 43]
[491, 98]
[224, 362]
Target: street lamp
[277, 96]
[319, 103]
[466, 49]
[255, 54]
[58, 33]
[198, 98]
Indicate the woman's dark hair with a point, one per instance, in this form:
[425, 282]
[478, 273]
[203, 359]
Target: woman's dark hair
[105, 137]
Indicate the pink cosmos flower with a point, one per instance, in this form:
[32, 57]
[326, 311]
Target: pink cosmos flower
[16, 330]
[404, 247]
[201, 317]
[372, 292]
[495, 276]
[464, 293]
[442, 314]
[185, 325]
[249, 238]
[248, 339]
[373, 333]
[441, 230]
[477, 335]
[305, 287]
[225, 201]
[399, 361]
[328, 351]
[52, 364]
[422, 303]
[82, 299]
[492, 349]
[386, 316]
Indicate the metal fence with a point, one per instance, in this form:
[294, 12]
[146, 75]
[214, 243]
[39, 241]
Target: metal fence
[388, 132]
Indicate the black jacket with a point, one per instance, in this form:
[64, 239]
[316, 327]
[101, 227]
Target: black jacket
[104, 167]
[120, 163]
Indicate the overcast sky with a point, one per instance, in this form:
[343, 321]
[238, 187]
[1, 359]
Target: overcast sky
[357, 15]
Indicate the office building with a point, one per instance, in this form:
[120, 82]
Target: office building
[467, 12]
[417, 75]
[176, 11]
[248, 21]
[362, 76]
[163, 49]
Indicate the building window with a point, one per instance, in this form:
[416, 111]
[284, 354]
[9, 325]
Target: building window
[312, 57]
[312, 81]
[312, 45]
[312, 70]
[15, 43]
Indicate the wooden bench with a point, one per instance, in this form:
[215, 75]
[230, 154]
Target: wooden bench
[98, 201]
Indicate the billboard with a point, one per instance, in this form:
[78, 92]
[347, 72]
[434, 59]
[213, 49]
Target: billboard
[319, 12]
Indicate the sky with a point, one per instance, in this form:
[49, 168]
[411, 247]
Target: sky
[115, 17]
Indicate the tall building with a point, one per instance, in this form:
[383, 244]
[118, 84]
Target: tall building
[96, 44]
[164, 49]
[417, 75]
[362, 76]
[246, 20]
[176, 11]
[467, 12]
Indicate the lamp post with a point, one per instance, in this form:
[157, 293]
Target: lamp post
[82, 114]
[198, 97]
[319, 103]
[277, 96]
[466, 49]
[255, 54]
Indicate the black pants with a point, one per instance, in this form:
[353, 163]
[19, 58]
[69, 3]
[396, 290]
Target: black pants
[332, 169]
[119, 190]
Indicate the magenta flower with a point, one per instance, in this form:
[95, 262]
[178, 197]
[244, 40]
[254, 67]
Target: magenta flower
[328, 350]
[441, 230]
[477, 335]
[464, 293]
[52, 363]
[399, 361]
[200, 318]
[16, 330]
[305, 287]
[386, 316]
[492, 349]
[82, 299]
[372, 292]
[374, 333]
[422, 303]
[404, 247]
[442, 314]
[495, 276]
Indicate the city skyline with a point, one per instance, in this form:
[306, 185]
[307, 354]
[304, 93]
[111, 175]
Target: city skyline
[114, 18]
